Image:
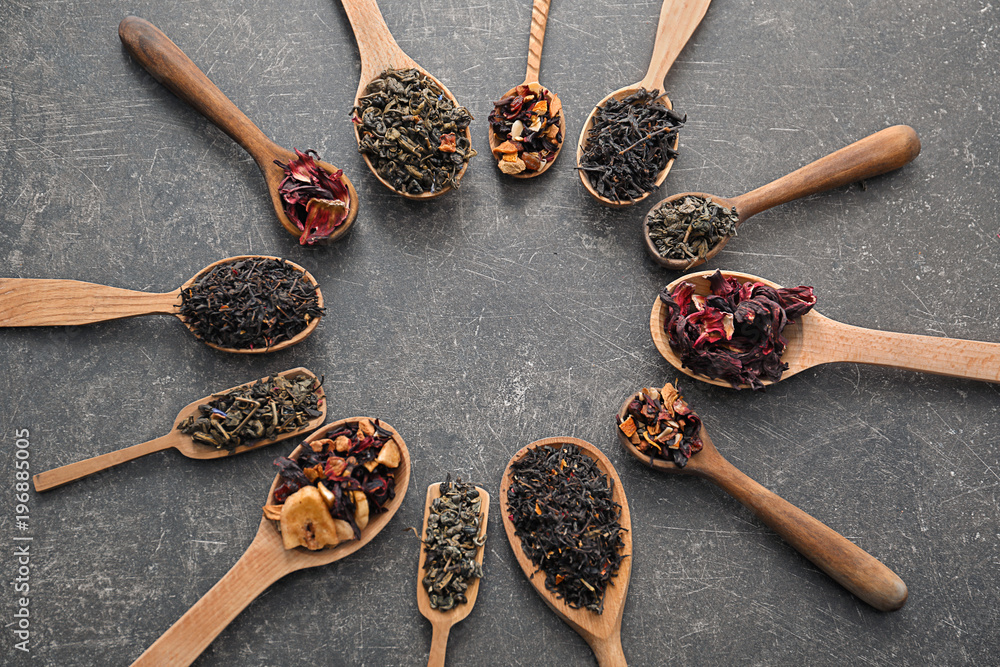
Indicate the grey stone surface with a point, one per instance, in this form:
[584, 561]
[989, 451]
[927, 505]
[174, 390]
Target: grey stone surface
[503, 313]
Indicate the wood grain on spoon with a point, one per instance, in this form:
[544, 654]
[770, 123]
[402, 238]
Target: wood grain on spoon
[876, 154]
[678, 20]
[817, 339]
[442, 621]
[185, 444]
[44, 302]
[848, 564]
[265, 561]
[602, 632]
[165, 61]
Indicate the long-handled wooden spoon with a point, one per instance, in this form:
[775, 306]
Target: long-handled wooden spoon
[876, 154]
[539, 19]
[44, 302]
[816, 340]
[603, 632]
[678, 20]
[442, 621]
[171, 67]
[379, 52]
[265, 561]
[185, 444]
[849, 565]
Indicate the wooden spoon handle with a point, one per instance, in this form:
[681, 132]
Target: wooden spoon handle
[439, 644]
[608, 650]
[539, 19]
[376, 46]
[851, 566]
[50, 479]
[33, 302]
[876, 154]
[678, 19]
[171, 67]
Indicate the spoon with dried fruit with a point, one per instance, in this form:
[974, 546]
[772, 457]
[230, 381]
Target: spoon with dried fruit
[678, 20]
[43, 302]
[308, 521]
[572, 468]
[711, 221]
[658, 428]
[746, 350]
[232, 421]
[419, 152]
[313, 200]
[527, 126]
[448, 580]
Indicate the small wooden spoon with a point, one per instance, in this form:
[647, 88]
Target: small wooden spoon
[265, 561]
[171, 67]
[539, 19]
[603, 632]
[379, 52]
[442, 621]
[816, 340]
[678, 20]
[185, 444]
[876, 154]
[849, 565]
[43, 302]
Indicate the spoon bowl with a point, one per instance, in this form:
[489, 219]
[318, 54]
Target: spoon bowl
[601, 631]
[174, 69]
[849, 565]
[44, 302]
[265, 561]
[816, 339]
[876, 154]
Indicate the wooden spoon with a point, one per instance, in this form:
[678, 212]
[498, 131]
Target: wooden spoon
[849, 565]
[171, 67]
[265, 561]
[185, 444]
[601, 631]
[379, 52]
[539, 19]
[678, 20]
[43, 302]
[816, 340]
[440, 620]
[876, 154]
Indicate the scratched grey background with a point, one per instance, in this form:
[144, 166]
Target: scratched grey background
[503, 313]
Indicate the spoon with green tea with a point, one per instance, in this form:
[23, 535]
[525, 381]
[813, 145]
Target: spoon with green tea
[849, 565]
[44, 302]
[266, 561]
[327, 215]
[876, 154]
[211, 447]
[815, 340]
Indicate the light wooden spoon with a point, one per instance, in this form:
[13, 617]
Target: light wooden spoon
[185, 444]
[171, 67]
[816, 340]
[603, 632]
[850, 566]
[265, 561]
[44, 302]
[442, 621]
[379, 52]
[876, 154]
[539, 19]
[678, 20]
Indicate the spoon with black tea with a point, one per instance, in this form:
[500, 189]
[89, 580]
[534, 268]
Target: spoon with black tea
[876, 154]
[43, 302]
[266, 561]
[849, 565]
[816, 339]
[193, 448]
[329, 214]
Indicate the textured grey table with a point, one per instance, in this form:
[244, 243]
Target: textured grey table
[503, 313]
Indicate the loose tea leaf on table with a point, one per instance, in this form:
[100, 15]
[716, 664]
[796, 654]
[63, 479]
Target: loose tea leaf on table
[687, 228]
[661, 425]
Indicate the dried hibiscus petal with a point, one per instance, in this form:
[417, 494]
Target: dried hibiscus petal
[316, 201]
